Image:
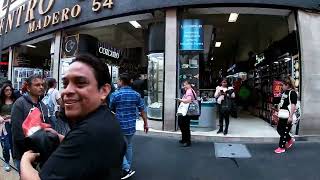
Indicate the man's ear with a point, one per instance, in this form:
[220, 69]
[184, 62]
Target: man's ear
[104, 91]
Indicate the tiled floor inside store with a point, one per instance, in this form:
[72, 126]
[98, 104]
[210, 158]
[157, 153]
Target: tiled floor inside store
[245, 125]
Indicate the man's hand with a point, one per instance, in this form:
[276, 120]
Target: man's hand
[29, 157]
[27, 172]
[146, 128]
[7, 120]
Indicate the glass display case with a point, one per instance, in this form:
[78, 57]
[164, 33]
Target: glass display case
[21, 73]
[155, 86]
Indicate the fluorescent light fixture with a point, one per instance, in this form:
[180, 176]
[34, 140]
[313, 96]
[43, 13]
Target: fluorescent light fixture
[135, 24]
[233, 17]
[218, 44]
[287, 59]
[31, 46]
[276, 62]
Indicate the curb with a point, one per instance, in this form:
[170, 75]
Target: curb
[226, 139]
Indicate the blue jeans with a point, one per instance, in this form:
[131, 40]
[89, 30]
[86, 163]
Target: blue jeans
[5, 143]
[17, 164]
[127, 159]
[53, 121]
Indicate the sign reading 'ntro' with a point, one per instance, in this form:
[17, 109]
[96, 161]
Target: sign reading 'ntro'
[191, 35]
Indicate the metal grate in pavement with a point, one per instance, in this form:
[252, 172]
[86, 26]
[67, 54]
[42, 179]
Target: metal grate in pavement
[229, 150]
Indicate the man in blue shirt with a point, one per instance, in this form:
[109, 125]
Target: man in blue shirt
[125, 102]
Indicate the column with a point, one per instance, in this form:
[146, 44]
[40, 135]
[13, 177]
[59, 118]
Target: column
[10, 63]
[55, 55]
[309, 31]
[170, 66]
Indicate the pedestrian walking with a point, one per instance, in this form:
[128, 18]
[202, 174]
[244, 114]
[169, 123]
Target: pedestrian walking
[126, 102]
[20, 110]
[94, 147]
[52, 100]
[223, 95]
[184, 120]
[286, 114]
[6, 102]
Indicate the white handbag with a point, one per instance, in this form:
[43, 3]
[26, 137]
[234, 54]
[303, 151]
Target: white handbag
[183, 109]
[283, 113]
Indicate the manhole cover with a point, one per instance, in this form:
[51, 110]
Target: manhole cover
[227, 150]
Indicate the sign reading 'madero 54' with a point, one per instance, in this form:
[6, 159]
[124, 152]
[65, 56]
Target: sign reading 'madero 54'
[25, 13]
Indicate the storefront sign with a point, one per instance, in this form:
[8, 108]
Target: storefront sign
[259, 59]
[106, 50]
[191, 35]
[34, 18]
[25, 13]
[70, 46]
[277, 88]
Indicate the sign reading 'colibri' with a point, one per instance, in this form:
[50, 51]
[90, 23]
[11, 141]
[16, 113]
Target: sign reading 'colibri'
[109, 51]
[47, 19]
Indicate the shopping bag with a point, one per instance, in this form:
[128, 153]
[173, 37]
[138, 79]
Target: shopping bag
[183, 109]
[36, 138]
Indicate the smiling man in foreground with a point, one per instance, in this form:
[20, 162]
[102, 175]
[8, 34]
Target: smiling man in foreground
[94, 147]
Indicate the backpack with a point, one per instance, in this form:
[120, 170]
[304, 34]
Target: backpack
[47, 100]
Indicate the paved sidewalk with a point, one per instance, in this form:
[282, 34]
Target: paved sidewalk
[12, 175]
[158, 158]
[161, 158]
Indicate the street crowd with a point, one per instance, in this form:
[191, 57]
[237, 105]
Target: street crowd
[86, 131]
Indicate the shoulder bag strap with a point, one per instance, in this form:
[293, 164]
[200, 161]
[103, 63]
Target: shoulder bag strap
[290, 97]
[194, 95]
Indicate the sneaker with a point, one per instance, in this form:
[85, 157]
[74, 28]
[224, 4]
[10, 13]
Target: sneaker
[290, 143]
[127, 174]
[280, 150]
[7, 167]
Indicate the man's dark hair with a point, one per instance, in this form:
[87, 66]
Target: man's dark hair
[125, 78]
[100, 69]
[31, 78]
[51, 82]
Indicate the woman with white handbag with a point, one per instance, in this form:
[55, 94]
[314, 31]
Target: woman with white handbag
[183, 118]
[287, 109]
[223, 95]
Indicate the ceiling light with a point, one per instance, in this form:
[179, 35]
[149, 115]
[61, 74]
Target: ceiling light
[135, 24]
[218, 44]
[233, 17]
[31, 46]
[287, 59]
[212, 59]
[276, 62]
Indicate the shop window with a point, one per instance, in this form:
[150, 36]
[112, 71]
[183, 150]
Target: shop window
[132, 44]
[31, 58]
[4, 62]
[251, 49]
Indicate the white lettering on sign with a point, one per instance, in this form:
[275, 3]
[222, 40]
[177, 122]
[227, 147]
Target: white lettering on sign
[109, 52]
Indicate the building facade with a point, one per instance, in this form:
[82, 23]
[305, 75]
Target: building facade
[173, 41]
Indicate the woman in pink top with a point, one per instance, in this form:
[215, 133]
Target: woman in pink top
[184, 121]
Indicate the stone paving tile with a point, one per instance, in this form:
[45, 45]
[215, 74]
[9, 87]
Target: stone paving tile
[12, 175]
